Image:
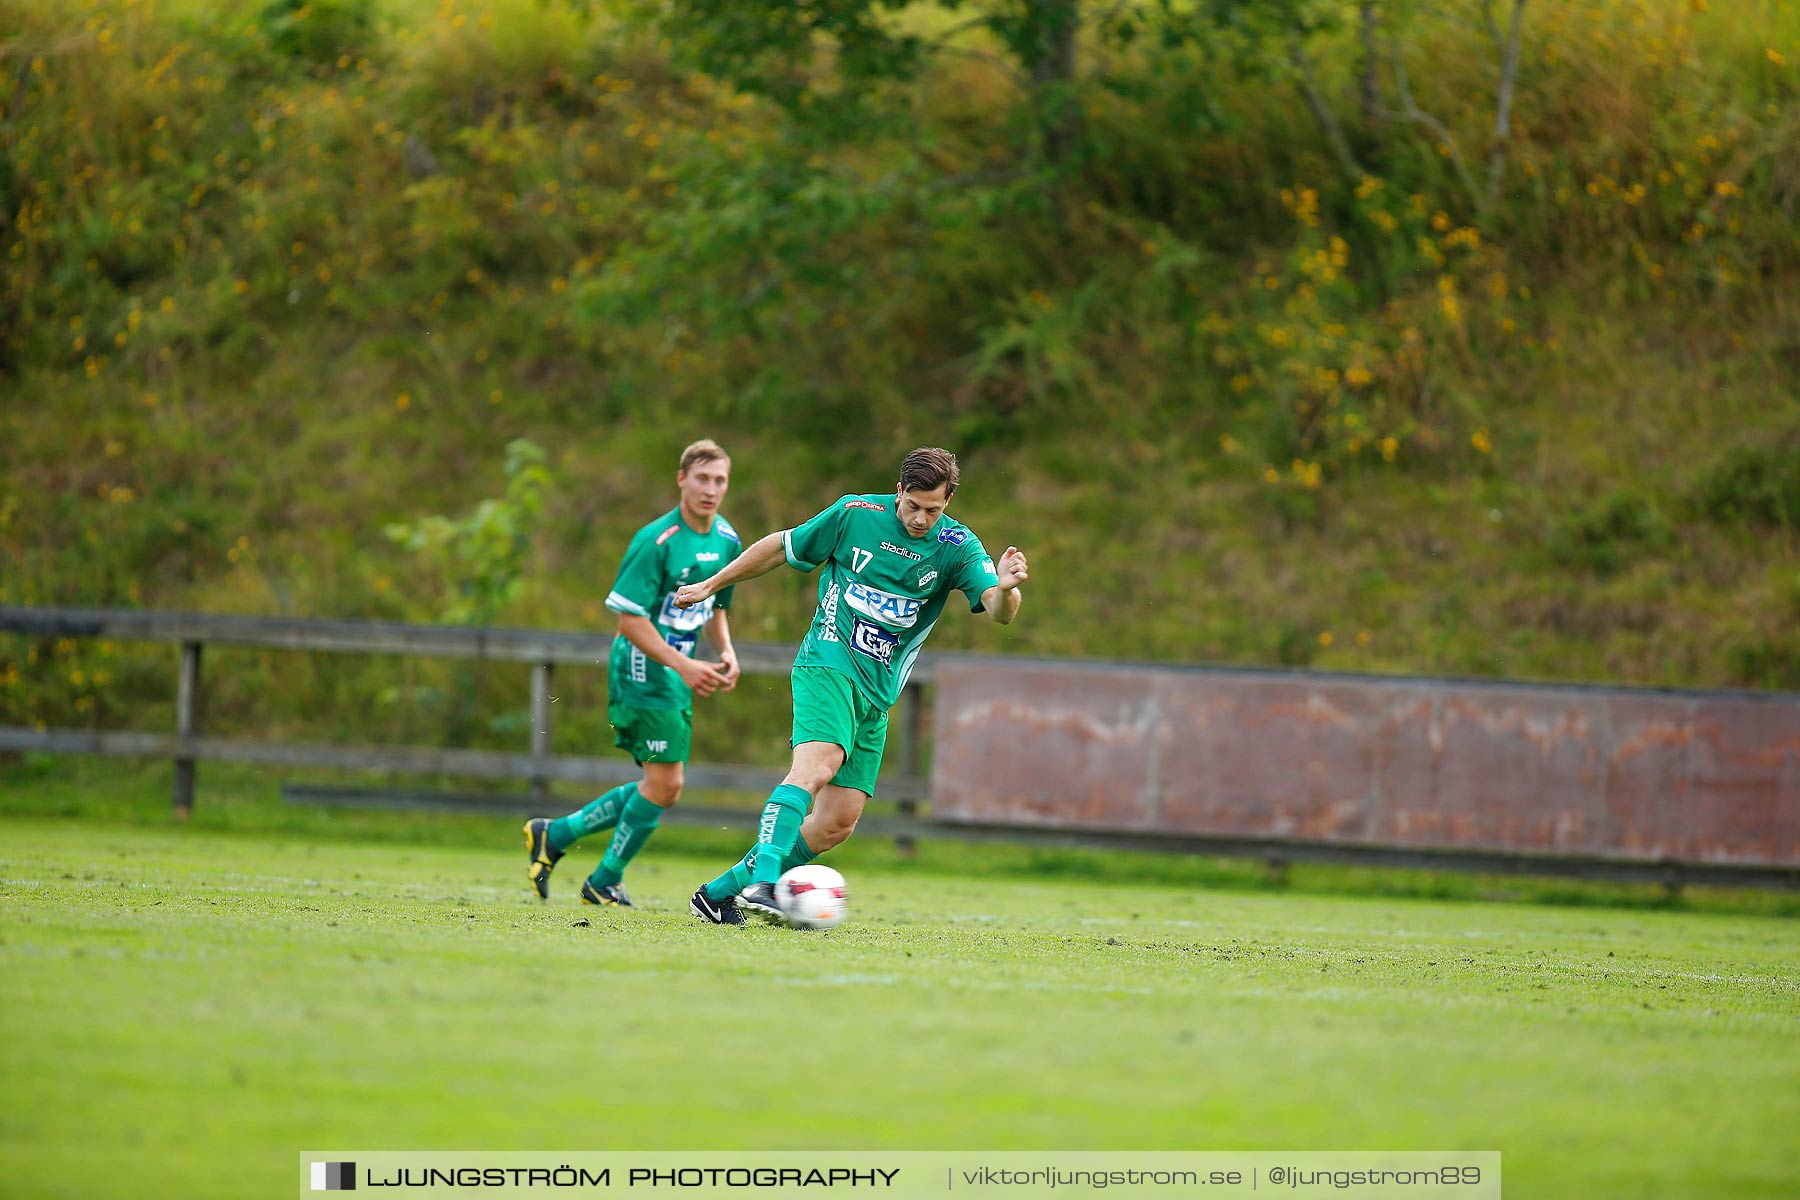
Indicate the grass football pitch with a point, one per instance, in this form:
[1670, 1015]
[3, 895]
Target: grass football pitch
[186, 1009]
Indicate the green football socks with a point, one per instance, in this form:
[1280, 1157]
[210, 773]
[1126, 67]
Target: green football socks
[778, 830]
[738, 878]
[603, 813]
[636, 824]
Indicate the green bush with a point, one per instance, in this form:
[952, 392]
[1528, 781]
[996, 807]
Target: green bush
[1611, 532]
[1758, 483]
[321, 33]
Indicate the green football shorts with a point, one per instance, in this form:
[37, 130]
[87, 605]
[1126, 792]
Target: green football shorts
[828, 708]
[653, 734]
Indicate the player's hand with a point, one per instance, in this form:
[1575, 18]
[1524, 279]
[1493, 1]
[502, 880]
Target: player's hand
[728, 669]
[700, 676]
[1012, 569]
[690, 594]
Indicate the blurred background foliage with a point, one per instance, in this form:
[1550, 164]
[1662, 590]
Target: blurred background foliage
[1456, 337]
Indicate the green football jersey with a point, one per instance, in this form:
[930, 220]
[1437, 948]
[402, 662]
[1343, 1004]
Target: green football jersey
[662, 556]
[882, 589]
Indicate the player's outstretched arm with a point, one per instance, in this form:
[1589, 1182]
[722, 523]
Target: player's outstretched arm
[763, 556]
[1001, 602]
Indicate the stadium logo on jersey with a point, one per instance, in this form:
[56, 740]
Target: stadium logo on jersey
[883, 606]
[925, 577]
[707, 556]
[828, 609]
[902, 551]
[875, 642]
[953, 537]
[668, 533]
[864, 504]
[684, 620]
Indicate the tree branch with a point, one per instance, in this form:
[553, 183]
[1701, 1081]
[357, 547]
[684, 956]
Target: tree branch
[1369, 84]
[1412, 112]
[1509, 70]
[943, 39]
[1334, 132]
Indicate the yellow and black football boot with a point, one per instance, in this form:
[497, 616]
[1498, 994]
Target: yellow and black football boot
[542, 855]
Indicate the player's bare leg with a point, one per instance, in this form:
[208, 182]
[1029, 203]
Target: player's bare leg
[833, 818]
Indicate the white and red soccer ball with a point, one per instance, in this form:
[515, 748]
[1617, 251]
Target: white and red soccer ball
[813, 897]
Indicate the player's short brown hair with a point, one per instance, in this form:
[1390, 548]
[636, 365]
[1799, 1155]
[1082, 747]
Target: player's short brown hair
[704, 450]
[927, 469]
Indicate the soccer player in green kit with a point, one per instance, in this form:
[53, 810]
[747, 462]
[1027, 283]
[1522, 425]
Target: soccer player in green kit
[890, 562]
[653, 676]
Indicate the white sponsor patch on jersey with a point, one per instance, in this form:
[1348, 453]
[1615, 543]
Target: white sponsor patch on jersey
[685, 620]
[882, 606]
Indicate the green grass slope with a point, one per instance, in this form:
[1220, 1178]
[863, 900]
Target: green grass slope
[280, 275]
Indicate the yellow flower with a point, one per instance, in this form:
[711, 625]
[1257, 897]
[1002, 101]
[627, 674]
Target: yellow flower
[403, 401]
[1325, 638]
[1481, 441]
[1775, 56]
[1390, 448]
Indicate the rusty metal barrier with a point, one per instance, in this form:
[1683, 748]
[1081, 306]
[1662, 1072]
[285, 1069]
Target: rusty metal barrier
[1621, 782]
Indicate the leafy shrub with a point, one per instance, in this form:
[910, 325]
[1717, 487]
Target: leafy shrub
[320, 32]
[1605, 535]
[1759, 483]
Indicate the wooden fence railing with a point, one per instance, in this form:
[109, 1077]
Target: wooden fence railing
[545, 650]
[1574, 780]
